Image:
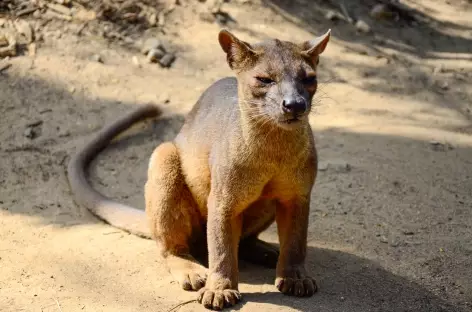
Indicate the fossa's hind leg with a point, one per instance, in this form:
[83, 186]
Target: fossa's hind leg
[173, 216]
[256, 219]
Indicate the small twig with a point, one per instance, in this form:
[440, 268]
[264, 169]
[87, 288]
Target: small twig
[26, 11]
[181, 304]
[57, 302]
[114, 232]
[54, 14]
[59, 8]
[81, 28]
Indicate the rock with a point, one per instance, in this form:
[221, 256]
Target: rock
[152, 19]
[32, 49]
[441, 147]
[97, 58]
[383, 239]
[135, 61]
[444, 85]
[332, 15]
[323, 166]
[336, 165]
[395, 243]
[167, 60]
[64, 134]
[161, 19]
[163, 98]
[85, 15]
[408, 232]
[24, 28]
[362, 26]
[155, 55]
[152, 43]
[30, 133]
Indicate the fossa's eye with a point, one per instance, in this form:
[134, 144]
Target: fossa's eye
[265, 80]
[310, 80]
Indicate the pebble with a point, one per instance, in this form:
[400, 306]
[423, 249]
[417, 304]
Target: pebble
[167, 60]
[336, 165]
[64, 134]
[30, 133]
[152, 43]
[152, 20]
[408, 232]
[97, 58]
[135, 61]
[438, 146]
[362, 26]
[383, 239]
[155, 55]
[164, 98]
[444, 85]
[161, 19]
[332, 15]
[24, 28]
[323, 166]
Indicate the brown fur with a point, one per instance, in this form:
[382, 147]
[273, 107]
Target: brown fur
[243, 159]
[236, 166]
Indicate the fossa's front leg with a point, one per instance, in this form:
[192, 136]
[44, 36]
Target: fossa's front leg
[292, 223]
[223, 232]
[226, 203]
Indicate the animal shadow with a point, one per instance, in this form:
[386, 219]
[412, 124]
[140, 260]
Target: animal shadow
[346, 283]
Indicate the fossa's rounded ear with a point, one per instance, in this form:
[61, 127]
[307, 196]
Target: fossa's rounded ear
[315, 47]
[237, 52]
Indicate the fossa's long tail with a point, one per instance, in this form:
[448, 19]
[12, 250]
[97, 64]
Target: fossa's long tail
[119, 215]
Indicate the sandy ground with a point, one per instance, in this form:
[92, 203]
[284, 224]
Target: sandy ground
[391, 218]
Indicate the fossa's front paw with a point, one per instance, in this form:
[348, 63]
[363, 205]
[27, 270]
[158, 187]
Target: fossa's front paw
[218, 299]
[218, 294]
[296, 284]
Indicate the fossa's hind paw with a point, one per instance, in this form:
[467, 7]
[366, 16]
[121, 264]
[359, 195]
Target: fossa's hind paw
[259, 252]
[193, 280]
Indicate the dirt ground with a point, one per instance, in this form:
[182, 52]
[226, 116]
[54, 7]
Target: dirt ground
[391, 216]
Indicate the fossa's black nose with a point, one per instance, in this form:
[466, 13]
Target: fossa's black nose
[295, 106]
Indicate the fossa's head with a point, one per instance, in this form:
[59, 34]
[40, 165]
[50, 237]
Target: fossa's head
[277, 79]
